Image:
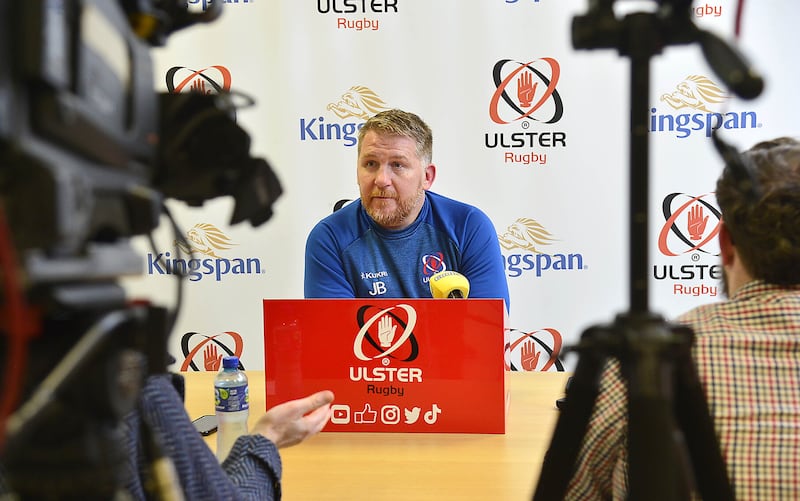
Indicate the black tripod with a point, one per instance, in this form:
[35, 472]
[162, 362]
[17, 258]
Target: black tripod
[664, 393]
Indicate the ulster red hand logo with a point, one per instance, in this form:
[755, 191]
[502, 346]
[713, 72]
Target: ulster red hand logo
[383, 342]
[216, 78]
[531, 346]
[211, 347]
[697, 214]
[533, 102]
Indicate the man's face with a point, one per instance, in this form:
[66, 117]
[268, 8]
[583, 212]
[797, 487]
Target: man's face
[392, 179]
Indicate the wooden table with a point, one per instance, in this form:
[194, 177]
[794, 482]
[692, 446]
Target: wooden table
[413, 466]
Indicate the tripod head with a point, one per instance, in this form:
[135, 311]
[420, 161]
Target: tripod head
[600, 28]
[641, 35]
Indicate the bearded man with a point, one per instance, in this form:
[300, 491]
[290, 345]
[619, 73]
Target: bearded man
[390, 242]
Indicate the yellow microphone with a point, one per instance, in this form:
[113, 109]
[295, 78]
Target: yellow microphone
[449, 284]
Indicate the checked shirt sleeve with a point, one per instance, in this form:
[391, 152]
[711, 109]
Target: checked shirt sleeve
[600, 470]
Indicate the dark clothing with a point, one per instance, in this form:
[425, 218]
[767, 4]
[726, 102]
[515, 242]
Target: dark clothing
[252, 470]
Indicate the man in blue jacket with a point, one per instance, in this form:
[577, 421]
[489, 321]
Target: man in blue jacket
[390, 242]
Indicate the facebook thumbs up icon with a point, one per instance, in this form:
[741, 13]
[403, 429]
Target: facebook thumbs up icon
[367, 416]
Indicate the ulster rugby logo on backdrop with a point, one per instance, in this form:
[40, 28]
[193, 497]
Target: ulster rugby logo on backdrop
[691, 226]
[357, 12]
[525, 94]
[535, 351]
[526, 91]
[210, 349]
[214, 79]
[386, 333]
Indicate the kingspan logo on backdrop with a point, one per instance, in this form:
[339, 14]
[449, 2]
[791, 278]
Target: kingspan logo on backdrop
[527, 236]
[698, 94]
[208, 242]
[526, 94]
[688, 238]
[352, 110]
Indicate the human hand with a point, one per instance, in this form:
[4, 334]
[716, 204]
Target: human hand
[211, 360]
[386, 331]
[526, 89]
[292, 422]
[696, 223]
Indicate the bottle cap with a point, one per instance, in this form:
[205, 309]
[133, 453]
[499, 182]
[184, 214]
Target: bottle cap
[230, 362]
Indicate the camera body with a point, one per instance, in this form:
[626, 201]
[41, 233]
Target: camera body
[78, 136]
[89, 151]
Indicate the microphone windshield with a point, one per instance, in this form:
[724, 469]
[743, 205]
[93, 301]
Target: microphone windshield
[449, 284]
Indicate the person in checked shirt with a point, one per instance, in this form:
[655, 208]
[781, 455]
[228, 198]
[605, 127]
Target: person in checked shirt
[746, 349]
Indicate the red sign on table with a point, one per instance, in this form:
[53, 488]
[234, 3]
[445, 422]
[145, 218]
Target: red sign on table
[395, 365]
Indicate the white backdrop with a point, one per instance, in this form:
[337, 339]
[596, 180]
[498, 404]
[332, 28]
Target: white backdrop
[307, 65]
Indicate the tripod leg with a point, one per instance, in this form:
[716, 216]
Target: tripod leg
[656, 471]
[559, 461]
[694, 418]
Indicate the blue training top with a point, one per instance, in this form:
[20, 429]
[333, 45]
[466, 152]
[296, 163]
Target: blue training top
[348, 255]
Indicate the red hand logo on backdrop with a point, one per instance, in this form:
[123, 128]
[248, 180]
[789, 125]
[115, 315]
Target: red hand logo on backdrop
[209, 348]
[199, 86]
[531, 345]
[220, 79]
[211, 359]
[526, 89]
[696, 222]
[548, 108]
[530, 356]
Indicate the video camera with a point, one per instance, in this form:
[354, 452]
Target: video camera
[89, 152]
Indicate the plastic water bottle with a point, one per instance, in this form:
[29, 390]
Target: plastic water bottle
[232, 402]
